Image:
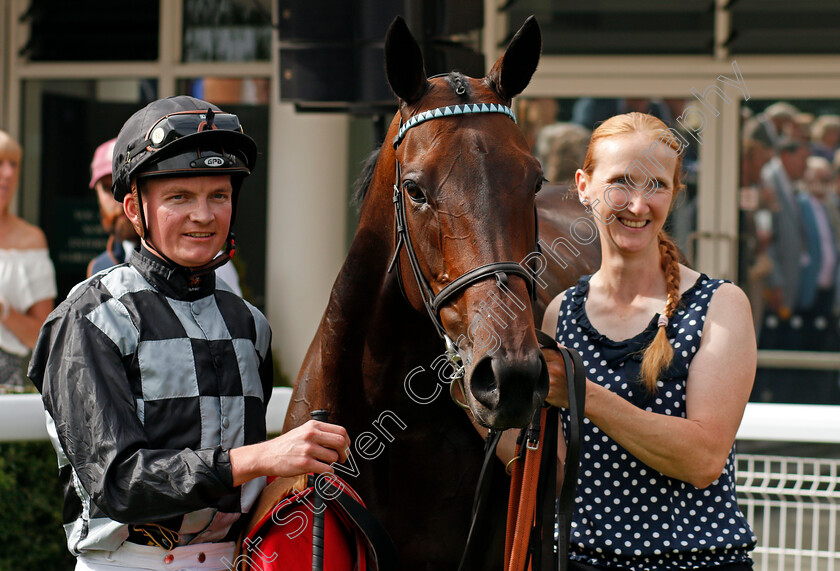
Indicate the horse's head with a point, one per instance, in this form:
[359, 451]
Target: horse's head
[464, 192]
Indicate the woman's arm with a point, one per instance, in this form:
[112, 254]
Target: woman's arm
[26, 326]
[695, 448]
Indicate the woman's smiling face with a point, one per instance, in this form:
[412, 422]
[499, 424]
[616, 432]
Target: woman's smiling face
[630, 190]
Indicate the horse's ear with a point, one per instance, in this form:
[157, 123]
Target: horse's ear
[512, 72]
[404, 62]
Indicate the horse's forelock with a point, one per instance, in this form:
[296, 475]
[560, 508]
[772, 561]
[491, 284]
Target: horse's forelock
[362, 183]
[460, 84]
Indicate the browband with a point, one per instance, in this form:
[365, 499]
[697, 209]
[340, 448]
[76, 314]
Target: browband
[451, 110]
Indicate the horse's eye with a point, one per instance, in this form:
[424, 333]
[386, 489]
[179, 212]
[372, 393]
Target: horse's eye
[412, 189]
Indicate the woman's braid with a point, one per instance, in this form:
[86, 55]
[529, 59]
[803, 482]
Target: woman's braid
[658, 355]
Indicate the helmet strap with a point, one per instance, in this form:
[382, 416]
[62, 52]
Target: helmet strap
[138, 204]
[223, 258]
[145, 235]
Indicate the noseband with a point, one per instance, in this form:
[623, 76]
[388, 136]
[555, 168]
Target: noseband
[433, 303]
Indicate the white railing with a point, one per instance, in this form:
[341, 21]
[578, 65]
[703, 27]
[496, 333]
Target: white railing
[22, 416]
[793, 504]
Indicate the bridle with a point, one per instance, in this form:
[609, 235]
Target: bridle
[433, 303]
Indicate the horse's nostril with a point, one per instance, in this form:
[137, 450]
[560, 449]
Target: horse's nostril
[483, 384]
[510, 388]
[518, 379]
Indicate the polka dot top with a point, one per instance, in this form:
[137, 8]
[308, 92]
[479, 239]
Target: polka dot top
[627, 515]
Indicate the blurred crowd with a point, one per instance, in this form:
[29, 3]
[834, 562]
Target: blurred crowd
[790, 240]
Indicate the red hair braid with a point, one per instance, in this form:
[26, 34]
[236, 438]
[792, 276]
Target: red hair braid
[659, 354]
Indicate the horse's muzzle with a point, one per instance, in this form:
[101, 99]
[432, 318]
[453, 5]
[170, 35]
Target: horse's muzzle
[506, 391]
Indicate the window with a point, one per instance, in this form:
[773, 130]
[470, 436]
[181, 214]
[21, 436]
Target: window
[64, 122]
[620, 27]
[226, 30]
[94, 30]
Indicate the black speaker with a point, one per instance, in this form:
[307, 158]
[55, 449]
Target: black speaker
[332, 51]
[329, 21]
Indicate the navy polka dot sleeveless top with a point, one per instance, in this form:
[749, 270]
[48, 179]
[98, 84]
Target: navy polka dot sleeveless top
[627, 515]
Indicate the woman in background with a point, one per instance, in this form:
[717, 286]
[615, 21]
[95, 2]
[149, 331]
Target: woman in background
[27, 276]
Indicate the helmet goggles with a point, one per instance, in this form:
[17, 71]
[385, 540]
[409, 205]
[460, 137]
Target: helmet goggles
[172, 127]
[181, 136]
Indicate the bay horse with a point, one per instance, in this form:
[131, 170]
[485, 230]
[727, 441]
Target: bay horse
[448, 214]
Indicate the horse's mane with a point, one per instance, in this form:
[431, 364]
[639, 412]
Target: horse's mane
[362, 183]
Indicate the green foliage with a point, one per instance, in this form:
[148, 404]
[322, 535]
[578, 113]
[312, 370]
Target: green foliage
[30, 509]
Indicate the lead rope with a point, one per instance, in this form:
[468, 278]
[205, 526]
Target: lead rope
[523, 497]
[528, 544]
[531, 545]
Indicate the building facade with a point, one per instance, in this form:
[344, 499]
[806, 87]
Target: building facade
[69, 81]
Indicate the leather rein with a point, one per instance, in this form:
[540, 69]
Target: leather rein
[533, 512]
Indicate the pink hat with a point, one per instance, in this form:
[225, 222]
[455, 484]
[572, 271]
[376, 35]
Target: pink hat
[101, 164]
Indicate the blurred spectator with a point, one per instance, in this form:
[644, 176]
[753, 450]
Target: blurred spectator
[777, 119]
[817, 283]
[533, 115]
[782, 321]
[760, 129]
[561, 148]
[787, 249]
[821, 179]
[825, 136]
[122, 237]
[800, 127]
[27, 276]
[756, 205]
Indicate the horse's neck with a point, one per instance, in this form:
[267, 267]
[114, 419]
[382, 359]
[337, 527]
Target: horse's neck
[367, 333]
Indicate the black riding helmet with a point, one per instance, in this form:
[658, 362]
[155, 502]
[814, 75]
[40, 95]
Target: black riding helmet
[182, 136]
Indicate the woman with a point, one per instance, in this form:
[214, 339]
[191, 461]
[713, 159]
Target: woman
[27, 277]
[657, 476]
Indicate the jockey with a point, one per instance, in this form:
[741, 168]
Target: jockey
[155, 376]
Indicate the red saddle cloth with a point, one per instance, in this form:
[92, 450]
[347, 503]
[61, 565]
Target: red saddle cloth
[280, 531]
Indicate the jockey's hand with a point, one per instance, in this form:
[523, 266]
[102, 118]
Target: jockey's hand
[558, 394]
[311, 447]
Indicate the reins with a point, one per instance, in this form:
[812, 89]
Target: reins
[529, 541]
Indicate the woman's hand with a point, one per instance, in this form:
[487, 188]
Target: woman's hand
[558, 394]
